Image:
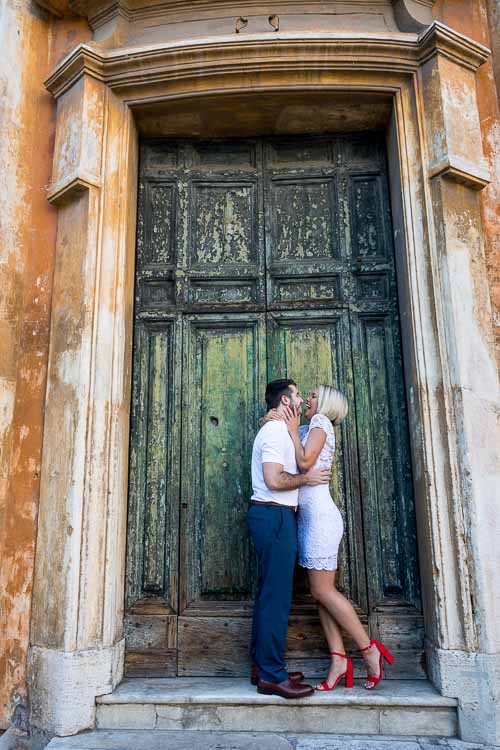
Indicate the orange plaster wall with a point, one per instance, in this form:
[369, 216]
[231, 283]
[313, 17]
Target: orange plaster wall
[471, 19]
[28, 229]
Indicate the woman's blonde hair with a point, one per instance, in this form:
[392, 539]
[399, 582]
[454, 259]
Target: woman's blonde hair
[332, 403]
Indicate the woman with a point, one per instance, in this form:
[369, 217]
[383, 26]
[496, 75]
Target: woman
[320, 530]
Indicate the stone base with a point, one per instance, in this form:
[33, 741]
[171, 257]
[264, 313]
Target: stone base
[474, 680]
[64, 686]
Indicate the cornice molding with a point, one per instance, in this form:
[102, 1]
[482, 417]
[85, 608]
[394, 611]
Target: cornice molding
[390, 52]
[464, 172]
[74, 184]
[441, 39]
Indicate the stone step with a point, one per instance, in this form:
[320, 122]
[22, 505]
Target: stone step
[395, 707]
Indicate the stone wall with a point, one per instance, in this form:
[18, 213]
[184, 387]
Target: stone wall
[30, 47]
[27, 227]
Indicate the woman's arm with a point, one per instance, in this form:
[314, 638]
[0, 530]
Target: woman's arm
[270, 416]
[306, 456]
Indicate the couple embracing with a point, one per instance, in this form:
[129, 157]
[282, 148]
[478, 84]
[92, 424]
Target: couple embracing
[292, 512]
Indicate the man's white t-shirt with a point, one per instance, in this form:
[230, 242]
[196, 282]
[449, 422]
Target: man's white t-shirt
[273, 445]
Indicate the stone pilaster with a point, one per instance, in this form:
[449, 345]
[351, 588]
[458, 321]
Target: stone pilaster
[464, 660]
[76, 636]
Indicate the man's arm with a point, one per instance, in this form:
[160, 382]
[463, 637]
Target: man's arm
[277, 479]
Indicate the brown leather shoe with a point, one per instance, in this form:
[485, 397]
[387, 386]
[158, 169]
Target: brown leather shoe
[286, 689]
[293, 676]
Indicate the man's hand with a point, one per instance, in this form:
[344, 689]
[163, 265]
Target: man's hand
[318, 476]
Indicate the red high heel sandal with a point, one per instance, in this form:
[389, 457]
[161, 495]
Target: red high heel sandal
[384, 654]
[324, 687]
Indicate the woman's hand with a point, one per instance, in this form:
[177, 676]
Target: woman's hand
[272, 415]
[292, 418]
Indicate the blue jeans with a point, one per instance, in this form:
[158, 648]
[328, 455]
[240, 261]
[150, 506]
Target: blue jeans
[274, 533]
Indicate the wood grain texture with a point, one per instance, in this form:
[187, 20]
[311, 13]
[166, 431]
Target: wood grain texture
[151, 662]
[150, 631]
[216, 646]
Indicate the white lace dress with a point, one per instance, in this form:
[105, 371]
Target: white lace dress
[319, 523]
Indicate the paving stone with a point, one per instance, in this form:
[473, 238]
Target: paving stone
[143, 740]
[374, 742]
[365, 743]
[200, 740]
[452, 743]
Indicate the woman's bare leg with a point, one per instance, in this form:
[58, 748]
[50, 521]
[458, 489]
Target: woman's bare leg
[335, 642]
[322, 584]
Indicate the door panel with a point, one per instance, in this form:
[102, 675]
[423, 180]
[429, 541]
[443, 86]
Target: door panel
[314, 199]
[303, 257]
[151, 593]
[224, 377]
[221, 227]
[316, 348]
[384, 457]
[367, 215]
[154, 467]
[262, 258]
[223, 224]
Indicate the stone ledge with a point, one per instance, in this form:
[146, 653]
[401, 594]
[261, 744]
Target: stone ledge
[466, 173]
[66, 189]
[238, 691]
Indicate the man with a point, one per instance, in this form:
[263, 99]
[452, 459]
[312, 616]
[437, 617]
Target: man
[272, 526]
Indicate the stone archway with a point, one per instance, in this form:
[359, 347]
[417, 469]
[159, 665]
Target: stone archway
[436, 168]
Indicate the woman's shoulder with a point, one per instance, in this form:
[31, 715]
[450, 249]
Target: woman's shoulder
[320, 420]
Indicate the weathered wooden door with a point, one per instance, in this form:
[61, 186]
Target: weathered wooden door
[257, 259]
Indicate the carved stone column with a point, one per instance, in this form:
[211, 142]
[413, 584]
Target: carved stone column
[77, 646]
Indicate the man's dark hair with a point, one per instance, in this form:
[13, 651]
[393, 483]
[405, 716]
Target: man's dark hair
[275, 390]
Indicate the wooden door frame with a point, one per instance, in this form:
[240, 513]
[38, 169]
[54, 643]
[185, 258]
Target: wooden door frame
[450, 370]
